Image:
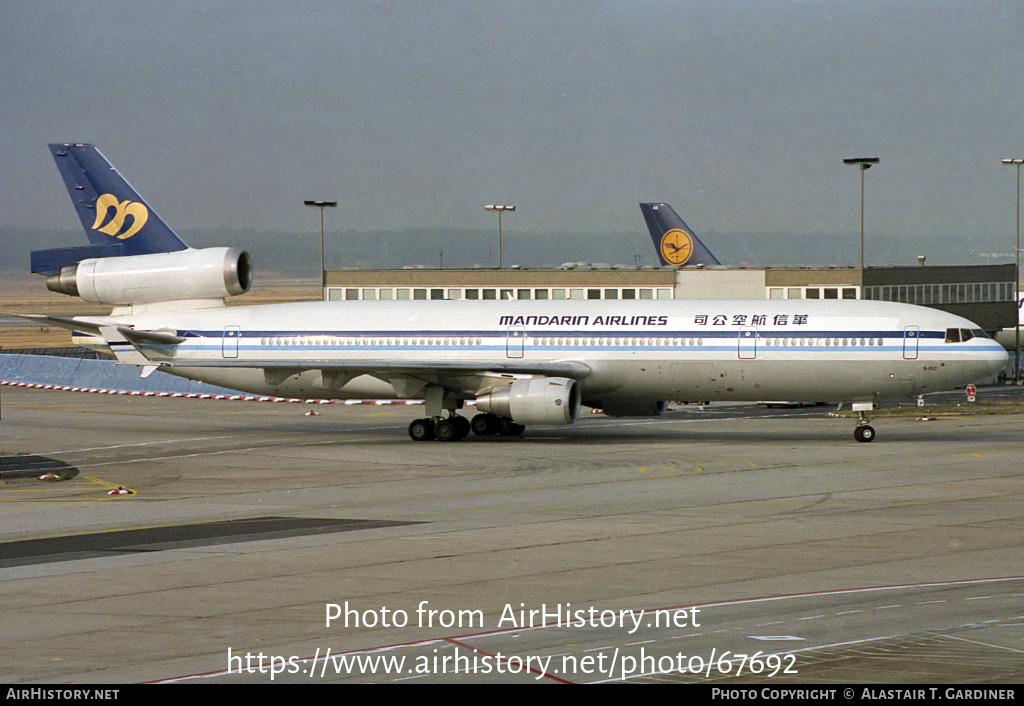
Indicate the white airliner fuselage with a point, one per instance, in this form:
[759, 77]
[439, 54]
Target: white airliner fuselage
[620, 353]
[521, 362]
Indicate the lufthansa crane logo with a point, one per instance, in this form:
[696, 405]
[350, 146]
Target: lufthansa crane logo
[122, 209]
[676, 247]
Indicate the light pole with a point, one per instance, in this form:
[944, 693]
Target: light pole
[865, 164]
[322, 205]
[1016, 274]
[500, 209]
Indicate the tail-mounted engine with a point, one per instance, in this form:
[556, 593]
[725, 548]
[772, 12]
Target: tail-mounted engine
[211, 273]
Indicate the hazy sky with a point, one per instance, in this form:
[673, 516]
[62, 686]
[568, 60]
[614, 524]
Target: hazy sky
[419, 112]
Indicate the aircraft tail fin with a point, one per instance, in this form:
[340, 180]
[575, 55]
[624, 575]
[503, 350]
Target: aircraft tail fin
[116, 219]
[674, 241]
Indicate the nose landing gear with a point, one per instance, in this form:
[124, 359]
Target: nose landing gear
[864, 431]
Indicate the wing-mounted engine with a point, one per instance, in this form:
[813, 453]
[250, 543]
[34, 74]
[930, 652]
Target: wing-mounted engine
[534, 401]
[211, 273]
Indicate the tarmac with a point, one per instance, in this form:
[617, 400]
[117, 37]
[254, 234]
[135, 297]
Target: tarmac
[214, 541]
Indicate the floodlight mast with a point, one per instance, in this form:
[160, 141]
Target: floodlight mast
[1016, 272]
[865, 164]
[500, 209]
[321, 205]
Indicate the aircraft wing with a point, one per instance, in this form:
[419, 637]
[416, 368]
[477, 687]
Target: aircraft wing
[569, 369]
[409, 378]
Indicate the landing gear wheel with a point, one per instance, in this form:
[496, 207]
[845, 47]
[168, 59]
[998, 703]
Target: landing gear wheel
[864, 433]
[485, 425]
[446, 430]
[421, 430]
[462, 427]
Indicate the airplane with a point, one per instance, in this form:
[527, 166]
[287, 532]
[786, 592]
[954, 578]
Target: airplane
[675, 242]
[520, 362]
[1008, 336]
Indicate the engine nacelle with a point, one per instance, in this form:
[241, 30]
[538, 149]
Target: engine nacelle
[632, 408]
[211, 273]
[534, 401]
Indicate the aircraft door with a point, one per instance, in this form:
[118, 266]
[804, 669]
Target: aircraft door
[229, 344]
[747, 346]
[515, 342]
[911, 334]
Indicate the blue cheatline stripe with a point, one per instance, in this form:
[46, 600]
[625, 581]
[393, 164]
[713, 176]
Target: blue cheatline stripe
[728, 334]
[215, 345]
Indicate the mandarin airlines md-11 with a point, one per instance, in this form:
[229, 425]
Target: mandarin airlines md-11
[521, 362]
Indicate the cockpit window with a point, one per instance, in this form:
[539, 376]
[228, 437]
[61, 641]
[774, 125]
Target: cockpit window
[962, 335]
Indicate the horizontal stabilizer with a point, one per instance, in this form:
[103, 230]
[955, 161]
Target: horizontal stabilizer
[136, 336]
[50, 262]
[124, 350]
[71, 324]
[152, 337]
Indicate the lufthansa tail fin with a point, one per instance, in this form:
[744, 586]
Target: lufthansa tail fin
[676, 244]
[116, 219]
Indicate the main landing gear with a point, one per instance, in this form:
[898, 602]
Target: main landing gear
[491, 424]
[453, 428]
[456, 428]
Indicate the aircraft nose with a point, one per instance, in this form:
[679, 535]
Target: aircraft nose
[996, 362]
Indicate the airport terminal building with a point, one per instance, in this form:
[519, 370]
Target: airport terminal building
[982, 293]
